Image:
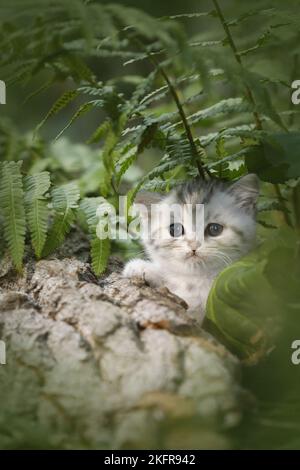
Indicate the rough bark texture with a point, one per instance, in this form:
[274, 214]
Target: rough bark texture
[107, 363]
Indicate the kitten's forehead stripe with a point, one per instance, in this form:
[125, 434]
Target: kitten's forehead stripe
[199, 192]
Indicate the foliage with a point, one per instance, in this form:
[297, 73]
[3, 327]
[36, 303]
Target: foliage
[160, 110]
[208, 100]
[12, 209]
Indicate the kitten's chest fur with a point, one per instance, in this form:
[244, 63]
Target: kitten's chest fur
[193, 288]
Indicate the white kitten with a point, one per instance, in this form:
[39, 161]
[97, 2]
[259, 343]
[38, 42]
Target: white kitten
[181, 258]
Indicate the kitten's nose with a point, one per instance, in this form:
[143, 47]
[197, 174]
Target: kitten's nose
[194, 245]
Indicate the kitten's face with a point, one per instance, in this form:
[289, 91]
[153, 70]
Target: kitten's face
[226, 233]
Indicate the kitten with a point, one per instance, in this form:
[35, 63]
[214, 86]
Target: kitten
[187, 262]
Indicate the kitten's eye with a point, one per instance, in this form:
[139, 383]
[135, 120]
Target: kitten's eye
[213, 230]
[176, 230]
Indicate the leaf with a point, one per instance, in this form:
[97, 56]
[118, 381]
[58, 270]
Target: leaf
[60, 104]
[83, 109]
[263, 102]
[178, 153]
[12, 209]
[235, 156]
[249, 14]
[222, 107]
[238, 305]
[100, 248]
[65, 201]
[127, 159]
[89, 206]
[40, 90]
[273, 205]
[36, 208]
[283, 272]
[277, 159]
[266, 224]
[188, 15]
[100, 132]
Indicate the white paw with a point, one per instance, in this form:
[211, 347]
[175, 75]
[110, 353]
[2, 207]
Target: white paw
[135, 268]
[141, 269]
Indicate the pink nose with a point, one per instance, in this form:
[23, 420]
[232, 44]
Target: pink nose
[193, 245]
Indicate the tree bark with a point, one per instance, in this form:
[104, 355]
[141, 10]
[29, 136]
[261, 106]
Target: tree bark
[107, 363]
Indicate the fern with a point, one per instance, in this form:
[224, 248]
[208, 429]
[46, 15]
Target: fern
[12, 210]
[100, 132]
[84, 108]
[196, 102]
[129, 155]
[36, 187]
[100, 248]
[64, 201]
[60, 104]
[223, 107]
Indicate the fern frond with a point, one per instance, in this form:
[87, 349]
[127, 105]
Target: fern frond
[100, 248]
[100, 132]
[188, 15]
[83, 109]
[12, 209]
[36, 186]
[60, 104]
[226, 106]
[100, 251]
[64, 201]
[88, 207]
[128, 157]
[249, 14]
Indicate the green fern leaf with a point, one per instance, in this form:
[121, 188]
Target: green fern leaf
[83, 109]
[100, 248]
[223, 107]
[89, 206]
[188, 15]
[60, 104]
[100, 132]
[36, 208]
[12, 209]
[129, 156]
[65, 201]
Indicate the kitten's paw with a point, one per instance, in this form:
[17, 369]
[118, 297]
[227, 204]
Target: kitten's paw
[135, 268]
[141, 269]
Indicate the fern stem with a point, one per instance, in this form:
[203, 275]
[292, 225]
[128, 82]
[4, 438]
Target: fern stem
[238, 58]
[249, 94]
[174, 94]
[113, 186]
[186, 126]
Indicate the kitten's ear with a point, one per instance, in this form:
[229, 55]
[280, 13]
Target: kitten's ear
[246, 191]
